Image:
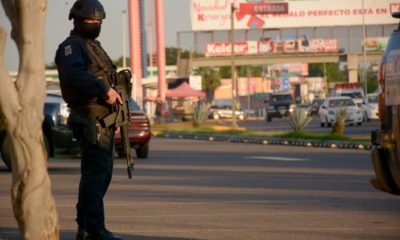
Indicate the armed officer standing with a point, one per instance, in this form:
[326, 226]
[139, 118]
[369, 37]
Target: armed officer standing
[84, 70]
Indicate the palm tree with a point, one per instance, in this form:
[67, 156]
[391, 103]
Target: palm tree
[211, 80]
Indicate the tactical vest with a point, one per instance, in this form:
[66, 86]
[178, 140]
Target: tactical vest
[101, 67]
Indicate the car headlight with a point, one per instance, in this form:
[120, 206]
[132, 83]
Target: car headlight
[271, 108]
[64, 114]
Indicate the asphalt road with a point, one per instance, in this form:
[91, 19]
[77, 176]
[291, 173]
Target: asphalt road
[283, 124]
[191, 189]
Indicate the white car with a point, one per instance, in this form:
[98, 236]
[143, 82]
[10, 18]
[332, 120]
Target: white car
[370, 107]
[356, 94]
[327, 111]
[225, 111]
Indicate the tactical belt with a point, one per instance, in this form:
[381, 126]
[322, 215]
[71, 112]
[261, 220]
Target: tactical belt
[92, 110]
[95, 112]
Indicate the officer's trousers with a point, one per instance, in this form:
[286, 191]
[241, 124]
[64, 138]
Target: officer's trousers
[96, 172]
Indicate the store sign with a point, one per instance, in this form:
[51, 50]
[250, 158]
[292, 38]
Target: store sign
[224, 48]
[376, 44]
[209, 15]
[195, 82]
[263, 8]
[268, 46]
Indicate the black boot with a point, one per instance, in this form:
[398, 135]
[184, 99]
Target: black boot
[102, 234]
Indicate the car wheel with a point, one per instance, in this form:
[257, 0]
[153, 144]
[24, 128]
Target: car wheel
[328, 124]
[359, 123]
[143, 151]
[5, 151]
[269, 118]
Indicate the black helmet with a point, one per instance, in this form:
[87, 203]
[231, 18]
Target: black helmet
[87, 9]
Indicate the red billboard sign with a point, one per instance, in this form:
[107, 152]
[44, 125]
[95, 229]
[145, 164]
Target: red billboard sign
[225, 48]
[264, 8]
[269, 46]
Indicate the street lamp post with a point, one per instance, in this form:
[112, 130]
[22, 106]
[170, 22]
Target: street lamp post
[364, 71]
[234, 93]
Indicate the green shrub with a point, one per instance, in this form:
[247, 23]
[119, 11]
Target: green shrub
[299, 119]
[338, 127]
[200, 114]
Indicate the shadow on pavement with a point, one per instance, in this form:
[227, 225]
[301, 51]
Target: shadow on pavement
[13, 234]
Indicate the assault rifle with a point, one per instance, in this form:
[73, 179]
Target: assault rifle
[121, 115]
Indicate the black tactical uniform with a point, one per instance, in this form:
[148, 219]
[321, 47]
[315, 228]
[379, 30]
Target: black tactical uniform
[84, 69]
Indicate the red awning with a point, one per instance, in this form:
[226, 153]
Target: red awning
[184, 90]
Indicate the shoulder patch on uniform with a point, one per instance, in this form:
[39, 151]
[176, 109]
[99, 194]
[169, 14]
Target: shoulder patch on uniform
[67, 50]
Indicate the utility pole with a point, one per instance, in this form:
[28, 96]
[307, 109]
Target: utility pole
[234, 93]
[364, 71]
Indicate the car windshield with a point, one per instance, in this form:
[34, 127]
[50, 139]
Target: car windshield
[373, 99]
[317, 102]
[220, 107]
[281, 98]
[352, 95]
[336, 103]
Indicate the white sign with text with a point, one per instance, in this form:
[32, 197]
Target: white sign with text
[208, 15]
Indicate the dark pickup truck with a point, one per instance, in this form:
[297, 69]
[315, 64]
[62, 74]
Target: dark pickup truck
[57, 137]
[278, 105]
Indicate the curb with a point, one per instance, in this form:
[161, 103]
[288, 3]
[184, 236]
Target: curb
[269, 140]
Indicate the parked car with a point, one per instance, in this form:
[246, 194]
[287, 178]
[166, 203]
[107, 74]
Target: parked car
[139, 133]
[370, 107]
[225, 111]
[57, 136]
[386, 140]
[316, 103]
[278, 105]
[355, 94]
[328, 109]
[304, 107]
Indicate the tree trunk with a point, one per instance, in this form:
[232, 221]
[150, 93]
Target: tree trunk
[338, 128]
[21, 104]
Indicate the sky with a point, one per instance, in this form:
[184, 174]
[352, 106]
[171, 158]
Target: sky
[176, 18]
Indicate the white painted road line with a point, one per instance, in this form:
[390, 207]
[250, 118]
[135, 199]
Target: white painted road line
[274, 158]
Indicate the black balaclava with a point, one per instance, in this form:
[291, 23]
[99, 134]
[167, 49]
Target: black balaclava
[87, 30]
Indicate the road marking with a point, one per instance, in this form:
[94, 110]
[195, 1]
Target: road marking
[274, 158]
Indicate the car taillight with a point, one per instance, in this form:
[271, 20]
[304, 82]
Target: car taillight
[138, 117]
[139, 120]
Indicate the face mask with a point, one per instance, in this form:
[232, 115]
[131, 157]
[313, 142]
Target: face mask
[87, 30]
